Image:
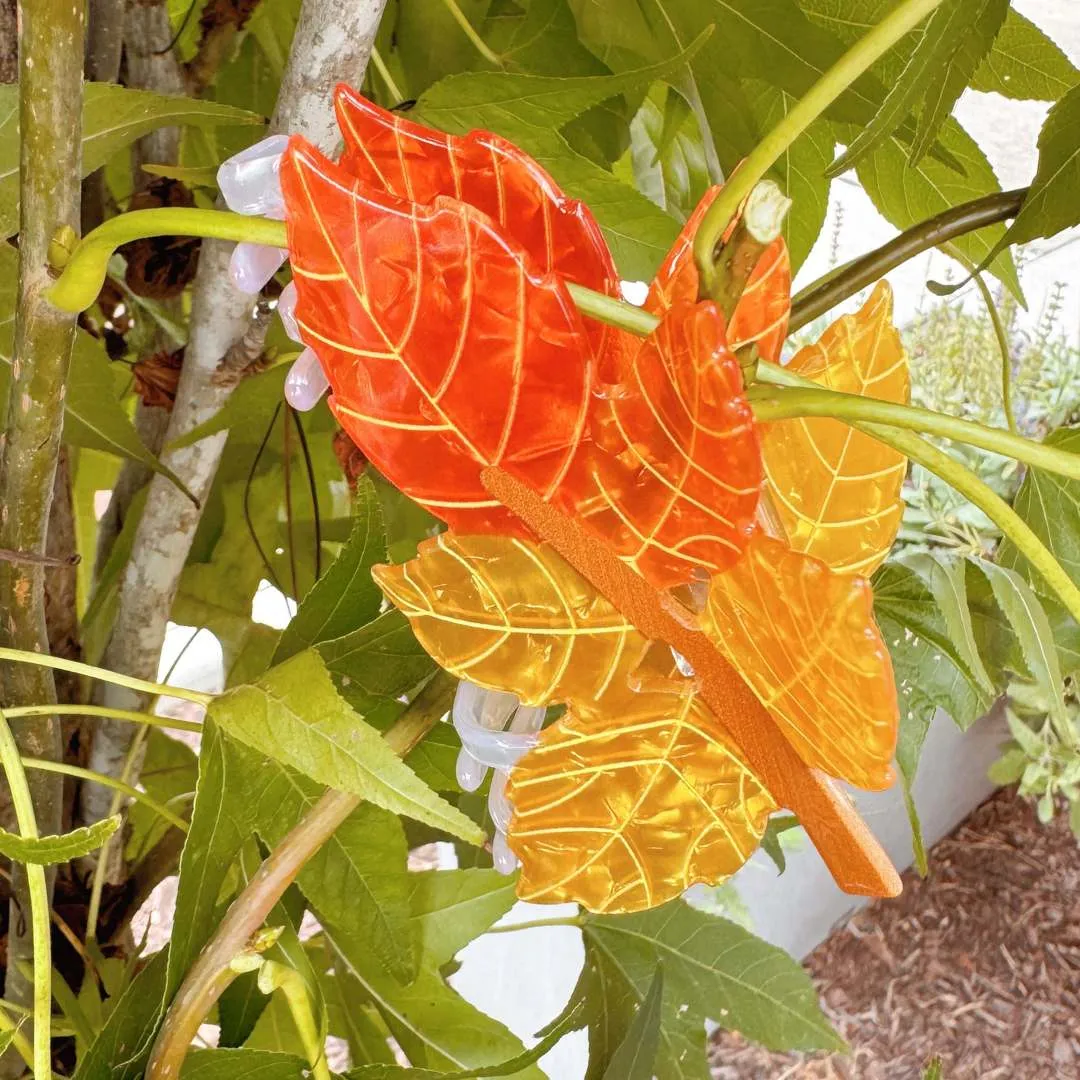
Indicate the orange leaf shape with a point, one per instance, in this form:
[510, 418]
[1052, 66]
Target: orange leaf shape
[837, 491]
[805, 640]
[637, 792]
[624, 808]
[673, 477]
[513, 615]
[386, 151]
[761, 315]
[446, 348]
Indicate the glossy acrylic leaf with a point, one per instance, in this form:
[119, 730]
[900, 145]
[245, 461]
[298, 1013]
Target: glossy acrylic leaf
[508, 386]
[294, 714]
[715, 969]
[624, 806]
[836, 490]
[494, 610]
[760, 318]
[805, 640]
[671, 479]
[48, 850]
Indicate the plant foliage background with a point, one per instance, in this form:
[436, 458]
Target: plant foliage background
[634, 109]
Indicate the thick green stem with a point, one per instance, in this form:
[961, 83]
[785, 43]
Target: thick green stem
[903, 18]
[211, 973]
[289, 981]
[84, 268]
[76, 667]
[784, 404]
[836, 286]
[50, 96]
[538, 924]
[149, 719]
[39, 902]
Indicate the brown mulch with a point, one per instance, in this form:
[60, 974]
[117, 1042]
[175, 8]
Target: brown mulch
[979, 963]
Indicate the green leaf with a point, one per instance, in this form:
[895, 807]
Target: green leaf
[345, 597]
[356, 882]
[238, 1064]
[1033, 632]
[800, 170]
[933, 1070]
[378, 662]
[113, 117]
[907, 194]
[1051, 205]
[239, 1008]
[294, 714]
[123, 1045]
[48, 850]
[716, 969]
[1024, 63]
[452, 907]
[956, 38]
[635, 1057]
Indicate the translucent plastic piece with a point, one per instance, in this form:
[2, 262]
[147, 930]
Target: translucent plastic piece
[480, 717]
[837, 491]
[250, 181]
[306, 382]
[805, 640]
[286, 309]
[251, 266]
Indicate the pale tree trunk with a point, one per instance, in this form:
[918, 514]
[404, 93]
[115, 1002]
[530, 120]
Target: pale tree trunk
[50, 69]
[333, 42]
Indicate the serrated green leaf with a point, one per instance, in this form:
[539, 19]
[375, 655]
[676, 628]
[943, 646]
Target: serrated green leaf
[48, 850]
[113, 117]
[452, 907]
[226, 1064]
[1051, 205]
[1025, 64]
[716, 969]
[636, 1054]
[1033, 632]
[294, 714]
[907, 194]
[345, 597]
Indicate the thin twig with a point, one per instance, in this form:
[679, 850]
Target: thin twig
[35, 558]
[313, 488]
[269, 567]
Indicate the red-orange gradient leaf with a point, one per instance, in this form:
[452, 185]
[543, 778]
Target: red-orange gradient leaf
[447, 350]
[761, 315]
[672, 479]
[805, 640]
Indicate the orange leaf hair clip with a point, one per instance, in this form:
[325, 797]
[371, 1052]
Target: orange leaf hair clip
[584, 473]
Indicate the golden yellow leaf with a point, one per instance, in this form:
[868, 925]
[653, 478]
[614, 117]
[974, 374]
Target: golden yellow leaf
[624, 808]
[837, 491]
[805, 640]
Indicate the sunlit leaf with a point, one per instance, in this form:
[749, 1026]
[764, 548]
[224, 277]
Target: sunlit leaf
[836, 490]
[805, 639]
[48, 850]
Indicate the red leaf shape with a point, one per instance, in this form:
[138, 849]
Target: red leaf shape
[672, 479]
[387, 151]
[761, 315]
[446, 348]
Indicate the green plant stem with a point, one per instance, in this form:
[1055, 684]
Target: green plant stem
[84, 271]
[384, 73]
[470, 32]
[143, 686]
[835, 287]
[784, 404]
[39, 902]
[903, 18]
[208, 977]
[999, 331]
[148, 719]
[536, 924]
[291, 983]
[108, 781]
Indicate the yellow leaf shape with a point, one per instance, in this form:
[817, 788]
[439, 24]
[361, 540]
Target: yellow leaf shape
[837, 491]
[624, 808]
[805, 640]
[637, 791]
[513, 615]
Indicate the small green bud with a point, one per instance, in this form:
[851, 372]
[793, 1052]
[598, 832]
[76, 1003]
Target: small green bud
[63, 243]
